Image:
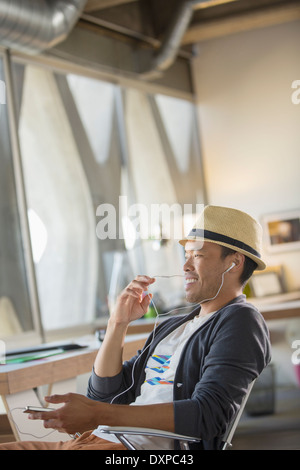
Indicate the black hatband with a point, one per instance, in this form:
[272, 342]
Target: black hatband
[217, 237]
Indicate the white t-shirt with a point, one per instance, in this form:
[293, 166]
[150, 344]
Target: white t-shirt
[158, 385]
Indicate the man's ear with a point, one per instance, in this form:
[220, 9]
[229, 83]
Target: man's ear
[238, 260]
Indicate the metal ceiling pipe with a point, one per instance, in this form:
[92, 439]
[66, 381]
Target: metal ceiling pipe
[32, 26]
[166, 54]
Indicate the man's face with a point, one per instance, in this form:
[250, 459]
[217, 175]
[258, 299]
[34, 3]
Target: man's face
[203, 270]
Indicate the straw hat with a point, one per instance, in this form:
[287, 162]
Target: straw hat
[232, 228]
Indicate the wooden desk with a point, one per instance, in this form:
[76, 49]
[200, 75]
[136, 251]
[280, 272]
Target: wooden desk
[18, 381]
[19, 377]
[278, 307]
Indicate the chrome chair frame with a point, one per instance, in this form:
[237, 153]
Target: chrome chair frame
[122, 433]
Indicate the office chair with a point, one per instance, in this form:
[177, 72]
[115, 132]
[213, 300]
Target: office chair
[120, 431]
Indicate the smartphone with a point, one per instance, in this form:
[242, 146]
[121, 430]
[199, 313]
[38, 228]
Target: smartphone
[34, 409]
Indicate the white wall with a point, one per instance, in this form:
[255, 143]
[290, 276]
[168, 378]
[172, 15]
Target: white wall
[249, 127]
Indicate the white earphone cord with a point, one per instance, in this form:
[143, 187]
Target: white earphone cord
[133, 367]
[28, 433]
[155, 325]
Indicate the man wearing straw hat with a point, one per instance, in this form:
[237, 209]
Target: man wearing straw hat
[194, 370]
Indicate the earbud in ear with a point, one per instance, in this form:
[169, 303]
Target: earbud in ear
[232, 266]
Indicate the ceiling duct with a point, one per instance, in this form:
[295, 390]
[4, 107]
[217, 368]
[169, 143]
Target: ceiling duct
[168, 51]
[32, 26]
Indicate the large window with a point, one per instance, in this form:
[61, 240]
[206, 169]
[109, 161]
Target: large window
[59, 202]
[15, 308]
[87, 144]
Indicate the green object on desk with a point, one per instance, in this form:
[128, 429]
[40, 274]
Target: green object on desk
[32, 357]
[151, 313]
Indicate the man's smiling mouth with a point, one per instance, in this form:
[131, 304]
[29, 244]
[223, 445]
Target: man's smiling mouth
[190, 280]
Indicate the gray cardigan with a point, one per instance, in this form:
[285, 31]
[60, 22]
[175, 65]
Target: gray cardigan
[216, 366]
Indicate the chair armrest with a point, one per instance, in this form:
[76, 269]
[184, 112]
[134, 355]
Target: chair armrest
[128, 430]
[120, 431]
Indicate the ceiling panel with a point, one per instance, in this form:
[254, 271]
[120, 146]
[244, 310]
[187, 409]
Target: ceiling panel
[151, 18]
